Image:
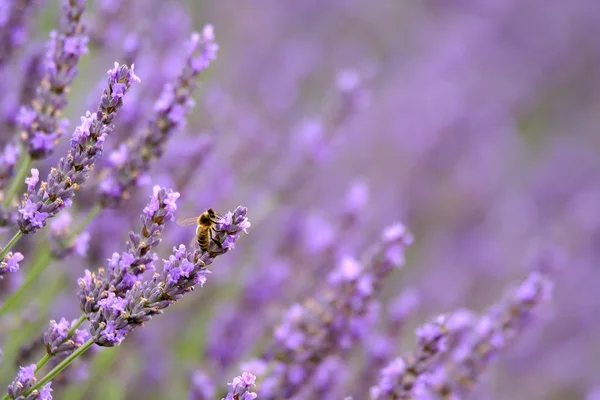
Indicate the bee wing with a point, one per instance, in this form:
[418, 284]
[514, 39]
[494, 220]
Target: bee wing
[186, 221]
[194, 243]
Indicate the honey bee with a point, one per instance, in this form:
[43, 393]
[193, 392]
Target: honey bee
[205, 227]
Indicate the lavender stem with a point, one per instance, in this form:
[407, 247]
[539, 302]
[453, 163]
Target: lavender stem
[42, 261]
[42, 362]
[61, 366]
[17, 180]
[10, 244]
[58, 369]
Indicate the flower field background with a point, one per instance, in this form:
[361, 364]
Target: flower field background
[409, 199]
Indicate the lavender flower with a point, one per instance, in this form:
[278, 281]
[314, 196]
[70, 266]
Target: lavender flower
[126, 268]
[13, 19]
[10, 263]
[40, 123]
[57, 341]
[201, 387]
[86, 146]
[330, 322]
[493, 332]
[116, 316]
[8, 160]
[61, 243]
[398, 378]
[129, 162]
[240, 386]
[24, 381]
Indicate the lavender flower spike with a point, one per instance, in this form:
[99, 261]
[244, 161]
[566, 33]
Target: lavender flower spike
[117, 316]
[86, 146]
[54, 338]
[201, 387]
[8, 159]
[494, 331]
[12, 27]
[40, 123]
[124, 269]
[398, 378]
[170, 109]
[332, 320]
[24, 381]
[60, 241]
[239, 388]
[10, 263]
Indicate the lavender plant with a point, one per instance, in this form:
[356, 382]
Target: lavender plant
[480, 135]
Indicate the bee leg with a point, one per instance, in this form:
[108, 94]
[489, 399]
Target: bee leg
[215, 241]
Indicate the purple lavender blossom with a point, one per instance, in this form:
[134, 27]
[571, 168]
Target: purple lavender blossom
[10, 263]
[8, 160]
[398, 378]
[40, 123]
[330, 323]
[57, 342]
[240, 386]
[201, 387]
[130, 162]
[125, 269]
[72, 172]
[13, 20]
[493, 332]
[114, 317]
[24, 381]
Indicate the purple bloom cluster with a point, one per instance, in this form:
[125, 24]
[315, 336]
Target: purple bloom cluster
[53, 195]
[454, 351]
[125, 269]
[40, 123]
[335, 318]
[130, 160]
[240, 386]
[8, 160]
[14, 15]
[398, 379]
[24, 381]
[57, 339]
[60, 238]
[496, 329]
[116, 306]
[201, 387]
[10, 263]
[483, 160]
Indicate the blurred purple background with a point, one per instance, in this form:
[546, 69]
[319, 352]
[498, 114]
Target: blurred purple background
[474, 123]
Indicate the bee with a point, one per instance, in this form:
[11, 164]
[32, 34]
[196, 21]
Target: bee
[205, 228]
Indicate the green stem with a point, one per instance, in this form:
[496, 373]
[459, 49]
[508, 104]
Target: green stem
[47, 356]
[80, 321]
[58, 369]
[10, 244]
[42, 261]
[17, 180]
[42, 362]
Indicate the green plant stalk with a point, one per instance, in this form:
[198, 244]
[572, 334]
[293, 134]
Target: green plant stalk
[42, 261]
[17, 180]
[100, 365]
[60, 367]
[15, 336]
[10, 244]
[46, 357]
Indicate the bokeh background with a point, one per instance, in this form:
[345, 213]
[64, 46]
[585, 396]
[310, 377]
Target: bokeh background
[473, 122]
